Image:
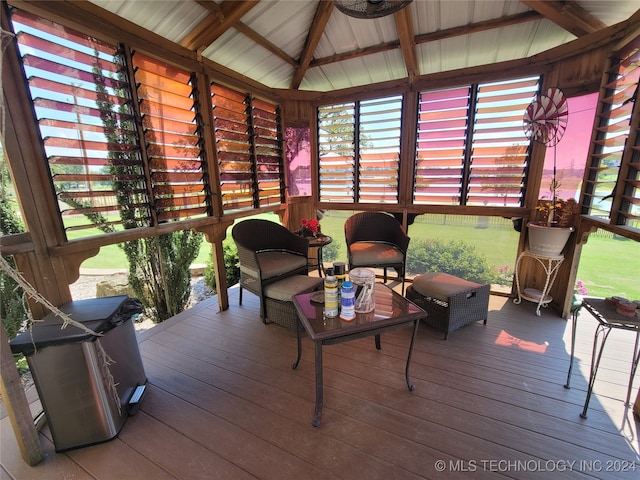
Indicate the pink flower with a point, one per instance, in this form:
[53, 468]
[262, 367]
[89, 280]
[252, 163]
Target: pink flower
[582, 290]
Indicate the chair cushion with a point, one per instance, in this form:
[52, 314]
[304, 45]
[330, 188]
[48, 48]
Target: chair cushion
[274, 264]
[441, 285]
[285, 289]
[374, 253]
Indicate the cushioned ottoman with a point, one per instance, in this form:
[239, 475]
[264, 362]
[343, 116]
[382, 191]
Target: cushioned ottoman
[278, 298]
[450, 302]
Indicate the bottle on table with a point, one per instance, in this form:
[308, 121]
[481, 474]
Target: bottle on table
[330, 294]
[340, 271]
[347, 301]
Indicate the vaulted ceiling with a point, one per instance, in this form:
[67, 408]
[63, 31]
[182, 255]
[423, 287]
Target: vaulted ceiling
[311, 45]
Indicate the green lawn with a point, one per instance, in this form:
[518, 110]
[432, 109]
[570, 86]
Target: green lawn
[608, 266]
[112, 257]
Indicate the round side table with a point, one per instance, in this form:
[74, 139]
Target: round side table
[318, 243]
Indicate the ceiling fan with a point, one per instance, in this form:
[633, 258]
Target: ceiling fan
[370, 8]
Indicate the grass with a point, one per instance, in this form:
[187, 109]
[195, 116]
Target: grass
[111, 256]
[608, 266]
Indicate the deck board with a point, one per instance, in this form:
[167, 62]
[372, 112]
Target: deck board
[223, 402]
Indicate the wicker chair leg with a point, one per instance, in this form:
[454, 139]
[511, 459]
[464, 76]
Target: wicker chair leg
[240, 296]
[263, 310]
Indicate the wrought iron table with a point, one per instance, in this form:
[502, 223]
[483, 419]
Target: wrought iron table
[392, 312]
[608, 319]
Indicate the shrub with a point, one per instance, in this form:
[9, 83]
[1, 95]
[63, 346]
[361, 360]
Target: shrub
[330, 252]
[159, 271]
[230, 252]
[455, 258]
[12, 307]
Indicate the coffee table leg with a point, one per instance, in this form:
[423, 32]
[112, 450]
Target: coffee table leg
[406, 371]
[299, 335]
[319, 394]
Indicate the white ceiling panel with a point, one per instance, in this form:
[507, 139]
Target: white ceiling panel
[171, 19]
[285, 25]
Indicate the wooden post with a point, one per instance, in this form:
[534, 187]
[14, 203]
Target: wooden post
[18, 406]
[215, 234]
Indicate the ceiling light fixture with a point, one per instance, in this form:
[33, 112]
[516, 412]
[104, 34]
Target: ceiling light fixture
[370, 8]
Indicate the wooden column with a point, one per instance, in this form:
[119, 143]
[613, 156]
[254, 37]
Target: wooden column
[215, 234]
[17, 405]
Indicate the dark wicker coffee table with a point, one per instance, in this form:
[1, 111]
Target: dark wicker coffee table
[392, 312]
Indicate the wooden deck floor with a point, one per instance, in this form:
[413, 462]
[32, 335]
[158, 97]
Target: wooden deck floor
[223, 402]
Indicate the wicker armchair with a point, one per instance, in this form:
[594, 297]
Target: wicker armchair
[376, 240]
[267, 252]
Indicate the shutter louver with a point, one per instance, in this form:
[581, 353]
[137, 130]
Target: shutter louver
[379, 159]
[233, 144]
[440, 148]
[336, 144]
[612, 179]
[82, 104]
[172, 138]
[500, 147]
[471, 147]
[267, 140]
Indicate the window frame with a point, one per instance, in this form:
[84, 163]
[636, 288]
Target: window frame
[488, 108]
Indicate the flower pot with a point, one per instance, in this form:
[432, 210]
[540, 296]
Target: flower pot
[548, 241]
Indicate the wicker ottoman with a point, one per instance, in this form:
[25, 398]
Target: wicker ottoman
[450, 302]
[278, 298]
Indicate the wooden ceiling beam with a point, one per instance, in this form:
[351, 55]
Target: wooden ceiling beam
[264, 43]
[406, 36]
[223, 16]
[318, 24]
[568, 15]
[433, 36]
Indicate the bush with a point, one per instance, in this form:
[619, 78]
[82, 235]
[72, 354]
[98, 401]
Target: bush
[12, 307]
[455, 258]
[159, 271]
[330, 252]
[230, 252]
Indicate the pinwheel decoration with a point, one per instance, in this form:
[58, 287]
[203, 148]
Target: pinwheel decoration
[545, 121]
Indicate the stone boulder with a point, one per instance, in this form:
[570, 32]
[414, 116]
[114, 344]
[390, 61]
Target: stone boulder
[117, 285]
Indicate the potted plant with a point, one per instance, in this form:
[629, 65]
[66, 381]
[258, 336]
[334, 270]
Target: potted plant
[552, 227]
[309, 228]
[545, 122]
